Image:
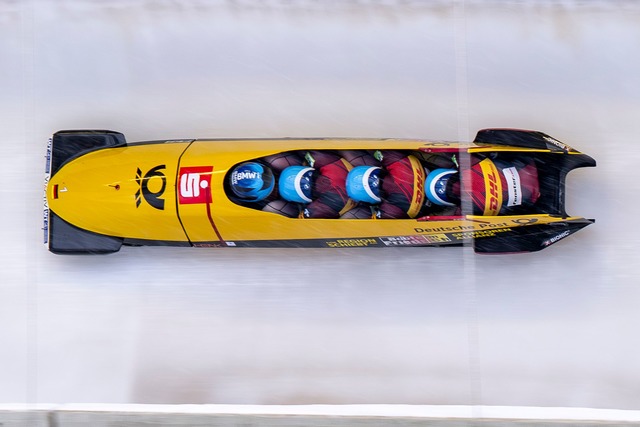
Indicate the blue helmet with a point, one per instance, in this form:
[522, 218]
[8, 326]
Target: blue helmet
[252, 181]
[295, 184]
[435, 187]
[363, 184]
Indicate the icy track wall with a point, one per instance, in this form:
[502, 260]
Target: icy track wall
[400, 326]
[315, 415]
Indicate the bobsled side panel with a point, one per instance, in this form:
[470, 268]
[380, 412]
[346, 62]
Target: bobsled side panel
[65, 238]
[530, 238]
[521, 138]
[67, 144]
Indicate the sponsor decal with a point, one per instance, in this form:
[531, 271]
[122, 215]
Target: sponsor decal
[238, 176]
[437, 238]
[207, 244]
[45, 216]
[47, 168]
[483, 225]
[47, 175]
[478, 234]
[524, 221]
[352, 243]
[418, 187]
[556, 143]
[439, 229]
[437, 144]
[153, 198]
[194, 184]
[418, 240]
[514, 189]
[556, 238]
[492, 225]
[493, 188]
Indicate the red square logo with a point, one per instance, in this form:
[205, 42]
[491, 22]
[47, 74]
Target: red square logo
[194, 184]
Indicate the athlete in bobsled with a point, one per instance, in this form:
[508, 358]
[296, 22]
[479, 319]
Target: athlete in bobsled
[309, 185]
[494, 186]
[392, 190]
[386, 185]
[318, 187]
[251, 183]
[254, 184]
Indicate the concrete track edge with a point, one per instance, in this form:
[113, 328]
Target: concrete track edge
[134, 415]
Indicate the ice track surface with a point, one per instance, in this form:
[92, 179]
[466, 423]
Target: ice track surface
[417, 326]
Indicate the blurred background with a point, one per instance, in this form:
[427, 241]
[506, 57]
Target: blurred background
[299, 326]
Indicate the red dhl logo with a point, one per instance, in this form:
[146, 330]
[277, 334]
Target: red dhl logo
[493, 192]
[493, 188]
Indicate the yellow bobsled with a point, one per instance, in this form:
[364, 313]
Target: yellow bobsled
[102, 193]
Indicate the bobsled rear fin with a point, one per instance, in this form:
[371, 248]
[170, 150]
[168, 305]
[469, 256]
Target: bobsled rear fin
[530, 238]
[65, 238]
[68, 144]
